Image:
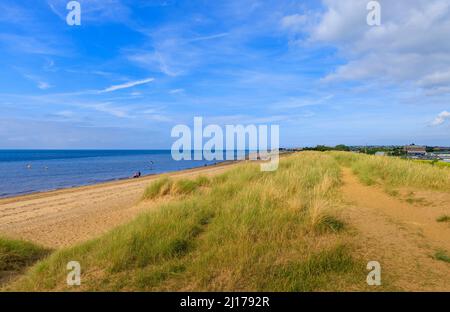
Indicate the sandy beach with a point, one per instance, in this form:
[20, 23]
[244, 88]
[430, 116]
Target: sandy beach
[65, 217]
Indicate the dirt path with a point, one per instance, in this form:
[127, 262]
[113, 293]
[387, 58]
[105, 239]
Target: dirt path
[401, 236]
[65, 217]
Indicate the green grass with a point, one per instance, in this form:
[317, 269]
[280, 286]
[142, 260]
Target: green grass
[433, 163]
[15, 255]
[313, 273]
[395, 172]
[442, 256]
[443, 218]
[242, 230]
[158, 188]
[165, 186]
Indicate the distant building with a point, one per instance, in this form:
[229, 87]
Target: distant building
[380, 154]
[415, 151]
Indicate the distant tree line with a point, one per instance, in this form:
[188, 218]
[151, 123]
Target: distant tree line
[324, 148]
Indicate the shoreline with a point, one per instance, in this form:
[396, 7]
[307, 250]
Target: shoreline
[65, 217]
[37, 194]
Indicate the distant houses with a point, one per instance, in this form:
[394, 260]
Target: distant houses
[415, 151]
[412, 151]
[430, 153]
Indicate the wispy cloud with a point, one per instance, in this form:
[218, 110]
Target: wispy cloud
[127, 85]
[441, 118]
[110, 109]
[294, 22]
[292, 103]
[41, 84]
[29, 44]
[216, 36]
[176, 91]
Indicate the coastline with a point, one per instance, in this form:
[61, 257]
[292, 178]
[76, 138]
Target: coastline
[67, 216]
[38, 194]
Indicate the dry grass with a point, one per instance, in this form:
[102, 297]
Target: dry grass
[395, 172]
[243, 230]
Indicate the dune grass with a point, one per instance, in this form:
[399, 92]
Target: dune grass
[242, 230]
[396, 172]
[16, 256]
[165, 186]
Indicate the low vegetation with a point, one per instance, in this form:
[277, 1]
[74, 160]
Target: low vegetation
[16, 255]
[242, 230]
[165, 186]
[434, 162]
[443, 218]
[442, 256]
[396, 172]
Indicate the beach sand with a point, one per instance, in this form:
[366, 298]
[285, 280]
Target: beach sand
[65, 217]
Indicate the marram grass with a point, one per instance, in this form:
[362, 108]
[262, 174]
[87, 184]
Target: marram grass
[396, 172]
[16, 254]
[243, 230]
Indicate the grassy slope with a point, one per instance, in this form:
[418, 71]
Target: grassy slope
[16, 255]
[396, 172]
[243, 230]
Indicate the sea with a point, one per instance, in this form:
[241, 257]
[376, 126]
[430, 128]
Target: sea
[31, 171]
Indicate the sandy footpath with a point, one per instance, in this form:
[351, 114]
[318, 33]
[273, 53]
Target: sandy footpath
[401, 236]
[64, 217]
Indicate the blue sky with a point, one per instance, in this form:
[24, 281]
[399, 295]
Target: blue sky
[135, 69]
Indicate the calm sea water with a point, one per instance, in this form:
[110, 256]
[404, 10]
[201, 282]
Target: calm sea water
[29, 171]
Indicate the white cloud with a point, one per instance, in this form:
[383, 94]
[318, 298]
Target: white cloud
[216, 36]
[441, 118]
[175, 49]
[29, 44]
[127, 85]
[410, 46]
[176, 91]
[109, 109]
[294, 22]
[43, 85]
[39, 82]
[292, 103]
[157, 60]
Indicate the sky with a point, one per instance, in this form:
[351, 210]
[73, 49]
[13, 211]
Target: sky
[135, 69]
